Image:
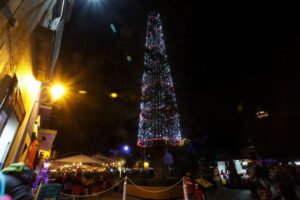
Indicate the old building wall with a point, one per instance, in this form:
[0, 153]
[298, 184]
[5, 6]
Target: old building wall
[18, 56]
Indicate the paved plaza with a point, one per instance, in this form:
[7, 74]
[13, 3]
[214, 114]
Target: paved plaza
[225, 194]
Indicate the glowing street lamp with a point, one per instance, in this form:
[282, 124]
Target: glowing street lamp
[57, 91]
[126, 148]
[51, 93]
[146, 165]
[113, 95]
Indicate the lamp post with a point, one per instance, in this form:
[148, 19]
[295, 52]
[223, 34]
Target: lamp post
[53, 92]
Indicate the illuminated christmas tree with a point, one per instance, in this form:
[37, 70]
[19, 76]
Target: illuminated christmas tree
[159, 118]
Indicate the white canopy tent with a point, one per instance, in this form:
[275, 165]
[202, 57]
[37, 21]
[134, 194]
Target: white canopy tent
[80, 162]
[80, 158]
[103, 158]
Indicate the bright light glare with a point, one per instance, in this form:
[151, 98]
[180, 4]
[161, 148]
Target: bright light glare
[113, 95]
[113, 28]
[128, 58]
[29, 83]
[47, 164]
[146, 165]
[82, 92]
[57, 91]
[126, 148]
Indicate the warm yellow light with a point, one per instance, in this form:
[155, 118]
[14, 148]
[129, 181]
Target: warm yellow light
[31, 84]
[245, 163]
[113, 95]
[57, 91]
[82, 91]
[146, 165]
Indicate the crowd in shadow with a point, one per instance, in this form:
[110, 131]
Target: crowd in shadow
[265, 181]
[273, 182]
[84, 183]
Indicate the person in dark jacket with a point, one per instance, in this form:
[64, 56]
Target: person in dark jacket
[18, 180]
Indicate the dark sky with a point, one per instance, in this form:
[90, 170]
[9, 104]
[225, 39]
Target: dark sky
[228, 59]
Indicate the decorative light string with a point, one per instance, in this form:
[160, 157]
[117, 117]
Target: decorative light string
[42, 176]
[159, 118]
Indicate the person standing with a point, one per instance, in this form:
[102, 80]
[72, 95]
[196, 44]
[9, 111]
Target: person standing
[224, 177]
[217, 179]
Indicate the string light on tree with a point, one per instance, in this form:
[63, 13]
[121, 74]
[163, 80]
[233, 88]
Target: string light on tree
[159, 118]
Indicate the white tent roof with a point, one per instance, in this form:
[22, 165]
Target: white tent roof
[103, 158]
[78, 158]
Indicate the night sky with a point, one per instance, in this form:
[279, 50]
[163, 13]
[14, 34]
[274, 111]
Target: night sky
[228, 60]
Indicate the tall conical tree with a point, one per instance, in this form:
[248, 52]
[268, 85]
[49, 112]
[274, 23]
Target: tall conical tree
[159, 118]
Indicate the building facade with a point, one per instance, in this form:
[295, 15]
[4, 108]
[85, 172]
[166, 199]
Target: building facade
[30, 38]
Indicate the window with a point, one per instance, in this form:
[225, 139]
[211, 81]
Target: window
[7, 137]
[3, 118]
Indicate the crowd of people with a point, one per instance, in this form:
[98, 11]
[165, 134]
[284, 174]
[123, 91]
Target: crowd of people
[275, 182]
[17, 180]
[83, 183]
[265, 182]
